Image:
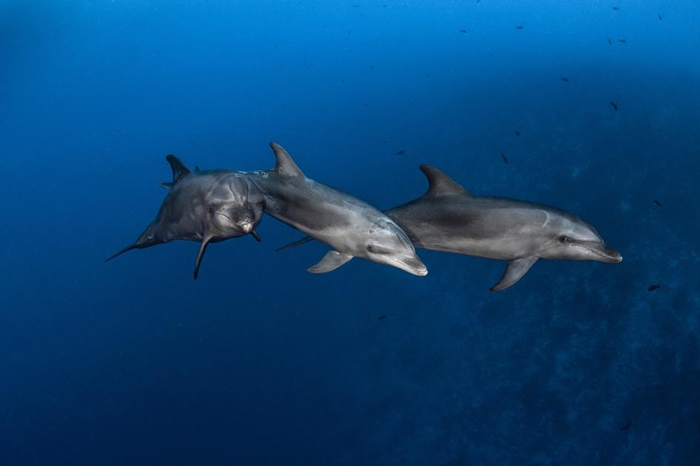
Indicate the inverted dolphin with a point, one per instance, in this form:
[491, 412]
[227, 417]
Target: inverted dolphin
[350, 226]
[204, 206]
[448, 218]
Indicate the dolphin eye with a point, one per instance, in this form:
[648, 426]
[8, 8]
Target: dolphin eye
[210, 209]
[564, 239]
[370, 248]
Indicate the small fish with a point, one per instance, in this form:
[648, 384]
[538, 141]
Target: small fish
[616, 8]
[401, 152]
[517, 133]
[381, 317]
[653, 288]
[661, 18]
[622, 41]
[503, 156]
[626, 426]
[657, 203]
[613, 105]
[463, 31]
[609, 41]
[518, 27]
[566, 80]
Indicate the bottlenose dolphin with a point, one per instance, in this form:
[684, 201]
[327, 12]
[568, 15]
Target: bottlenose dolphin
[448, 218]
[350, 226]
[204, 206]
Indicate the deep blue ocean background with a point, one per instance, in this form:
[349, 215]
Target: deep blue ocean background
[259, 362]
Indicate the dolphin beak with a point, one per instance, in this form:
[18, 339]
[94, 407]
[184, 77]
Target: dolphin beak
[414, 266]
[613, 256]
[246, 227]
[605, 254]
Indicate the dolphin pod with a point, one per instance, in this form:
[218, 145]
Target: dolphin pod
[216, 205]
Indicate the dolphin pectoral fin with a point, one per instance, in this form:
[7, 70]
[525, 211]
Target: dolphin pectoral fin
[514, 272]
[304, 240]
[128, 248]
[255, 235]
[331, 261]
[165, 184]
[200, 255]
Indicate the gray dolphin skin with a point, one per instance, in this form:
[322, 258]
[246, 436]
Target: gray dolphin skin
[448, 218]
[350, 226]
[204, 206]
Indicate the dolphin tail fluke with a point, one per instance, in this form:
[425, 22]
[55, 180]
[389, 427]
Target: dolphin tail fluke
[331, 261]
[304, 240]
[126, 249]
[200, 255]
[514, 272]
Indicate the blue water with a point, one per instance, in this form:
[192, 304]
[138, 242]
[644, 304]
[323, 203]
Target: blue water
[258, 362]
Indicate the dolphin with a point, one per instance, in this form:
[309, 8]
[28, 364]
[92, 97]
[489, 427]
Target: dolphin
[203, 206]
[450, 219]
[350, 226]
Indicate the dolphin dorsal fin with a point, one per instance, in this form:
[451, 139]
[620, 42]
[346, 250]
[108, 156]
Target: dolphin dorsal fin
[179, 169]
[284, 165]
[440, 184]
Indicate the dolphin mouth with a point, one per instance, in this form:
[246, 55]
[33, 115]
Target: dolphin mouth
[247, 227]
[412, 265]
[603, 253]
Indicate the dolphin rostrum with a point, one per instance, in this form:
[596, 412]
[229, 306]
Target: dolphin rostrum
[448, 218]
[203, 206]
[350, 226]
